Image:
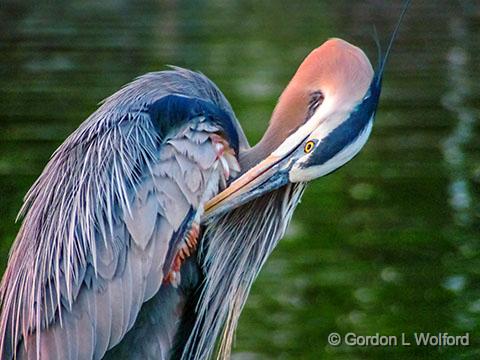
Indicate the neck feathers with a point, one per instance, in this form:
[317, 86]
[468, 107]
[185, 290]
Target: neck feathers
[234, 249]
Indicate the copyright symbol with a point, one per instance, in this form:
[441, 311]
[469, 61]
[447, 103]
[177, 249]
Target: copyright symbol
[334, 339]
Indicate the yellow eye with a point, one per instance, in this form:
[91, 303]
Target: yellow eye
[309, 146]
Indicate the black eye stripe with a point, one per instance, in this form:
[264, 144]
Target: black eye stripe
[316, 99]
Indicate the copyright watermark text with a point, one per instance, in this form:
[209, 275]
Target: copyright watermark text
[404, 339]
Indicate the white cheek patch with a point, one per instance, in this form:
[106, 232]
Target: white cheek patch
[297, 174]
[306, 129]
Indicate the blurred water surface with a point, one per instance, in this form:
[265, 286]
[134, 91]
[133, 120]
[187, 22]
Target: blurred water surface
[389, 244]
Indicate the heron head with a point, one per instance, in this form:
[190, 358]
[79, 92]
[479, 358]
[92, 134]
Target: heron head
[322, 120]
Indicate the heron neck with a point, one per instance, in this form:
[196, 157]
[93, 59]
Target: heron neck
[288, 115]
[234, 248]
[271, 140]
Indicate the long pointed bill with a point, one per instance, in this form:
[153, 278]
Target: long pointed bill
[268, 175]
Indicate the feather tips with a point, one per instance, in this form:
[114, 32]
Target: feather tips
[99, 221]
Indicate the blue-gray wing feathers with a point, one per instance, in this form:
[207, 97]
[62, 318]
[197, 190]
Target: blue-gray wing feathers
[106, 211]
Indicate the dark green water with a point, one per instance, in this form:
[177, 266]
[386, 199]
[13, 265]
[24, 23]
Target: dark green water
[389, 244]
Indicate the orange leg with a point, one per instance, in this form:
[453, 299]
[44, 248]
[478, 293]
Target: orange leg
[187, 248]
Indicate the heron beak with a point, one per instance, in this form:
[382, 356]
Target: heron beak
[270, 174]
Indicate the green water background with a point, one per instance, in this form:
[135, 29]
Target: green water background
[389, 244]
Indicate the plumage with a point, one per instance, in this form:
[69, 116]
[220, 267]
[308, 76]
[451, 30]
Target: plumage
[233, 253]
[146, 230]
[337, 69]
[108, 208]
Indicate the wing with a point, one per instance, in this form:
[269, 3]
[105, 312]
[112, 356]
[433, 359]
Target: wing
[107, 218]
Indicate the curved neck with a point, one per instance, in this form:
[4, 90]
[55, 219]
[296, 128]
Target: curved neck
[251, 157]
[287, 116]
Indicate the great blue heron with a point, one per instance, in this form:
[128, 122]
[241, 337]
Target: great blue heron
[144, 233]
